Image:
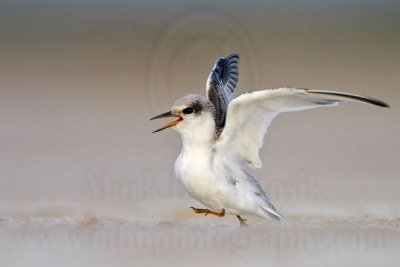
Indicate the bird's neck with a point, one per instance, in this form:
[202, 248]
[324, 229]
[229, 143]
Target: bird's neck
[198, 141]
[199, 138]
[191, 146]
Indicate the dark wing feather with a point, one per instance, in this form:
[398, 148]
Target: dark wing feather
[221, 83]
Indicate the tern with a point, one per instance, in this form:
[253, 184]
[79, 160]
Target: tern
[221, 138]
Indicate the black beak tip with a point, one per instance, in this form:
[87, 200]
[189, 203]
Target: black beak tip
[166, 114]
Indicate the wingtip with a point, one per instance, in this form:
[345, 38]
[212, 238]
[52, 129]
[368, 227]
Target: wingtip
[365, 99]
[376, 102]
[233, 55]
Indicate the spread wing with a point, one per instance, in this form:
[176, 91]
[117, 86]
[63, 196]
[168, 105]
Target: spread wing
[221, 83]
[250, 114]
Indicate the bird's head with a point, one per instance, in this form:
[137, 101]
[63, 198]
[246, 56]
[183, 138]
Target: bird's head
[194, 116]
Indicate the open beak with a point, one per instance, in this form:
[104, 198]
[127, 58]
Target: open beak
[167, 115]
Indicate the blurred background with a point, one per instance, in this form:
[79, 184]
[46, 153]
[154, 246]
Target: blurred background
[80, 79]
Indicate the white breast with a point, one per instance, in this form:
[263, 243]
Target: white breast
[194, 168]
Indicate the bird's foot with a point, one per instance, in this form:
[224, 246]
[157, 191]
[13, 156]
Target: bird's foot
[207, 211]
[242, 221]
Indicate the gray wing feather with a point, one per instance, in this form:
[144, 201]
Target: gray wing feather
[221, 83]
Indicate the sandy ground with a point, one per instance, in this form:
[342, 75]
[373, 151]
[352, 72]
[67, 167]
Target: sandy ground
[301, 242]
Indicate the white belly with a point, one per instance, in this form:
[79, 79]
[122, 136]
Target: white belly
[212, 184]
[196, 174]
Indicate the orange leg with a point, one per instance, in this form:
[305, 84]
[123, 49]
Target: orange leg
[242, 221]
[207, 211]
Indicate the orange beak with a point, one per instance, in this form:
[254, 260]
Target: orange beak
[168, 125]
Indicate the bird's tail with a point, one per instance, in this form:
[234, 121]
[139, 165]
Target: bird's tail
[270, 212]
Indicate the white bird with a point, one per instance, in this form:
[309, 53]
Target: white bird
[221, 138]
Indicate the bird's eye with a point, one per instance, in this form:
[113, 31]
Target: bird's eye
[187, 111]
